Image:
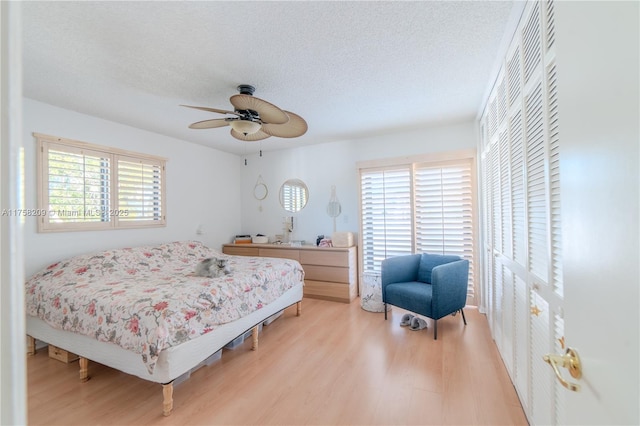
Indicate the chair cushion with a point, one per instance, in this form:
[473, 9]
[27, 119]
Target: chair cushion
[430, 261]
[413, 296]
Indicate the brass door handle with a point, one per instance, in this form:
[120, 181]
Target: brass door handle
[571, 361]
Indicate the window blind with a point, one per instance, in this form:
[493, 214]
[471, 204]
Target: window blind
[444, 211]
[78, 186]
[386, 215]
[90, 187]
[139, 190]
[423, 207]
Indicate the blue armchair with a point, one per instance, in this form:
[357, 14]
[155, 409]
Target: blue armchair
[432, 285]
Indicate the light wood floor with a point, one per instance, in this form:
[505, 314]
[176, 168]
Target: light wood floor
[336, 364]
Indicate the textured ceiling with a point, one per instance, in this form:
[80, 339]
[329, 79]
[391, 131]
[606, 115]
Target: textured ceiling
[351, 69]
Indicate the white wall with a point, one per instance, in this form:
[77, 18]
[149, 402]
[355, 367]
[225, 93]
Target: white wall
[215, 189]
[323, 165]
[202, 187]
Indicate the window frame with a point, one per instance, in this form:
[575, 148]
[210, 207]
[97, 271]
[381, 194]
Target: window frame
[114, 155]
[413, 163]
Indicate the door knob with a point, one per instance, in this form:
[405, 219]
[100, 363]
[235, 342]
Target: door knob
[571, 361]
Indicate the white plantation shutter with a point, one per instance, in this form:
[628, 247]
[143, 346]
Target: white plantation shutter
[550, 25]
[536, 183]
[75, 186]
[554, 160]
[505, 194]
[385, 215]
[532, 46]
[531, 278]
[513, 77]
[493, 117]
[444, 211]
[518, 203]
[427, 206]
[83, 186]
[502, 101]
[139, 190]
[78, 185]
[495, 197]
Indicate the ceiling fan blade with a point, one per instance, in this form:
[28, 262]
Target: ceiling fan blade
[257, 136]
[269, 113]
[296, 126]
[210, 124]
[219, 111]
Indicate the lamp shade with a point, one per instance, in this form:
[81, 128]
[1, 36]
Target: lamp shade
[245, 127]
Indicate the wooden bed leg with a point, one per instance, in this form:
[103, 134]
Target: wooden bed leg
[254, 345]
[299, 308]
[84, 369]
[31, 345]
[167, 404]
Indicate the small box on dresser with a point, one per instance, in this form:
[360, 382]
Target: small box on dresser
[62, 355]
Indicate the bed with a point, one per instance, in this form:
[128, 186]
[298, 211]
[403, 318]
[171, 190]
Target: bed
[143, 310]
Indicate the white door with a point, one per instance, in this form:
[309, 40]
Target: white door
[598, 53]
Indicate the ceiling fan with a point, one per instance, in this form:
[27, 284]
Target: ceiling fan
[253, 119]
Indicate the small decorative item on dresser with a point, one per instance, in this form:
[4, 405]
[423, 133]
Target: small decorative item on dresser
[342, 239]
[260, 239]
[242, 239]
[325, 242]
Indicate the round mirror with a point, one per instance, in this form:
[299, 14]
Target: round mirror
[294, 195]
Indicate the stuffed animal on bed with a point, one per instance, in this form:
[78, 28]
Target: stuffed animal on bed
[213, 267]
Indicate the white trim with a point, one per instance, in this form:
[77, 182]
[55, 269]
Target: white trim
[13, 393]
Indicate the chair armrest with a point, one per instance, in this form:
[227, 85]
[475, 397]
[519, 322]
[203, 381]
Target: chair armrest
[400, 269]
[449, 287]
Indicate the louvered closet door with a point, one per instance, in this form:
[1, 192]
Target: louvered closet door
[520, 161]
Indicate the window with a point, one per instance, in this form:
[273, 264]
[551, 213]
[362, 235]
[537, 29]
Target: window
[424, 206]
[90, 187]
[385, 215]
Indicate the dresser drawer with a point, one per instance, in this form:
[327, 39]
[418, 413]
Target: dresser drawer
[241, 251]
[326, 273]
[329, 291]
[325, 258]
[281, 253]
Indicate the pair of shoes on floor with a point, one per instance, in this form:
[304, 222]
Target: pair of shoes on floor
[417, 324]
[406, 320]
[413, 322]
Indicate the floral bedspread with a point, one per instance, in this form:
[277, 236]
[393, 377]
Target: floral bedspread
[147, 299]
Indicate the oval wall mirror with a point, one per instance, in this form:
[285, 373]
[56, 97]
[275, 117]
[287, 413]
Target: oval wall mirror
[294, 195]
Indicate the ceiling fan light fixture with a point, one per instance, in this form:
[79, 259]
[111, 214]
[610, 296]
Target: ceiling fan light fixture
[246, 127]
